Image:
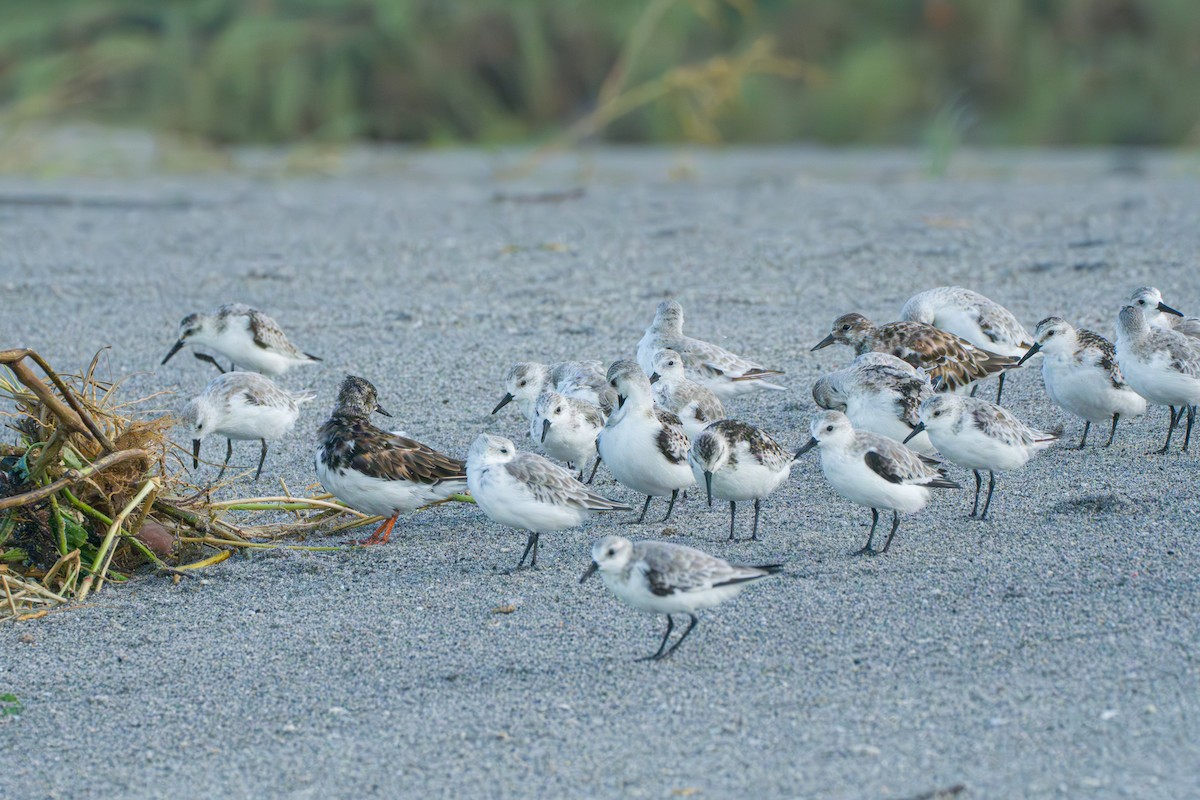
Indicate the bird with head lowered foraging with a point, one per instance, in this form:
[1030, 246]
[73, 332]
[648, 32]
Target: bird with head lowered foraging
[643, 446]
[695, 405]
[878, 393]
[736, 461]
[873, 471]
[969, 315]
[246, 336]
[1081, 375]
[949, 360]
[526, 491]
[726, 374]
[245, 406]
[978, 435]
[526, 381]
[1162, 365]
[376, 472]
[665, 578]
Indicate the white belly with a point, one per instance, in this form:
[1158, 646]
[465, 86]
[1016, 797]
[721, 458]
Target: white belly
[630, 452]
[857, 483]
[1088, 393]
[746, 482]
[379, 497]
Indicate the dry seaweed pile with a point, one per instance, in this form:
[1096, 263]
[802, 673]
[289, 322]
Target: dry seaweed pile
[94, 489]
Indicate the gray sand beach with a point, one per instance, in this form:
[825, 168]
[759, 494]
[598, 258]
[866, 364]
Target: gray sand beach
[1048, 652]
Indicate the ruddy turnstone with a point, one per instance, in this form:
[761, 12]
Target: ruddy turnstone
[379, 473]
[664, 578]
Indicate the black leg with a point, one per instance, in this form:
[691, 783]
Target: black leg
[228, 455]
[732, 512]
[866, 549]
[757, 509]
[645, 508]
[679, 641]
[1113, 432]
[530, 545]
[1170, 428]
[978, 483]
[663, 644]
[999, 393]
[671, 505]
[1187, 438]
[895, 524]
[261, 458]
[595, 467]
[1087, 426]
[991, 486]
[210, 360]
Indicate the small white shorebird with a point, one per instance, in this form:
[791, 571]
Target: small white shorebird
[243, 406]
[873, 471]
[379, 473]
[244, 335]
[644, 447]
[726, 374]
[947, 358]
[971, 316]
[978, 435]
[1080, 371]
[566, 428]
[1160, 315]
[526, 491]
[695, 405]
[879, 393]
[1161, 365]
[526, 381]
[736, 461]
[664, 578]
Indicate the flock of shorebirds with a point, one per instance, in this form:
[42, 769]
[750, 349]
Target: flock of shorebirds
[893, 419]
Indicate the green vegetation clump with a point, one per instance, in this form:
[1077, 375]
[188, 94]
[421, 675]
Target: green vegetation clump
[1014, 72]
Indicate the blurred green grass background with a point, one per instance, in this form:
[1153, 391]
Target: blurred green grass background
[933, 72]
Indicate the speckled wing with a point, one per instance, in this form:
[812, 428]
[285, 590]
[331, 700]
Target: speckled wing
[1183, 350]
[999, 324]
[551, 484]
[999, 424]
[672, 569]
[896, 463]
[1097, 351]
[672, 441]
[758, 443]
[712, 361]
[584, 380]
[380, 454]
[943, 355]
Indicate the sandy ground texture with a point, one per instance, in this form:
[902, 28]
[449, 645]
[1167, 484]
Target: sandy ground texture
[1048, 652]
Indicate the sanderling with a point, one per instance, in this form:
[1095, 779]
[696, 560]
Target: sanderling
[879, 393]
[726, 374]
[873, 471]
[1079, 369]
[244, 335]
[1161, 365]
[978, 435]
[243, 406]
[379, 473]
[644, 447]
[695, 405]
[664, 578]
[953, 360]
[566, 428]
[736, 461]
[526, 491]
[971, 316]
[1160, 315]
[527, 380]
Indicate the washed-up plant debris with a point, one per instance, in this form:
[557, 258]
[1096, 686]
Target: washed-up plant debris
[94, 490]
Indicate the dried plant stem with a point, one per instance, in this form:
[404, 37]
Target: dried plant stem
[72, 414]
[104, 554]
[71, 476]
[259, 545]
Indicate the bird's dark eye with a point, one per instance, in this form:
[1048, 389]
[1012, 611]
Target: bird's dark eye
[937, 413]
[612, 551]
[522, 383]
[846, 327]
[829, 428]
[504, 451]
[1049, 334]
[1141, 302]
[558, 410]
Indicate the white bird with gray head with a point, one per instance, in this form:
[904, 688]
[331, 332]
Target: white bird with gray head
[736, 462]
[665, 578]
[243, 406]
[1161, 365]
[1160, 315]
[244, 335]
[695, 405]
[878, 393]
[566, 428]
